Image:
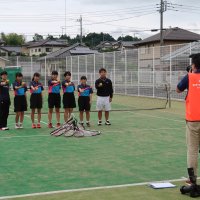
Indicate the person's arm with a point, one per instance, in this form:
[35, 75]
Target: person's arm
[111, 91]
[182, 85]
[91, 93]
[97, 84]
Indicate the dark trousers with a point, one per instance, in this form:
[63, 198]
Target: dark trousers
[4, 112]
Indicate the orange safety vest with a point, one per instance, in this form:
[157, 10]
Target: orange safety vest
[193, 98]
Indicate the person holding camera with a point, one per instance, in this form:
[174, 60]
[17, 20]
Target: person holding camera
[191, 82]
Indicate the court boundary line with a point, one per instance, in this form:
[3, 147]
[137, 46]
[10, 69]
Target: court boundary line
[88, 189]
[116, 131]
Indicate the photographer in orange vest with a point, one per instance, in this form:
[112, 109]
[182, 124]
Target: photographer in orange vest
[191, 82]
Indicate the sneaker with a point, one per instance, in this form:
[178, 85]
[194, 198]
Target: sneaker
[33, 126]
[17, 126]
[107, 123]
[88, 124]
[81, 123]
[5, 129]
[188, 182]
[50, 125]
[99, 123]
[21, 126]
[38, 126]
[58, 125]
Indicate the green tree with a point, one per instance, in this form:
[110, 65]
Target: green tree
[13, 39]
[128, 38]
[37, 37]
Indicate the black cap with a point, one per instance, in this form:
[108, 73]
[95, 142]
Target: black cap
[4, 73]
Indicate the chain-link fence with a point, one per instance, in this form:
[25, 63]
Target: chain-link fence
[139, 72]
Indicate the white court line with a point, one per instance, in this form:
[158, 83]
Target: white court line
[106, 131]
[88, 189]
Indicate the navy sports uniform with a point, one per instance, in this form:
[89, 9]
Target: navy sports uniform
[84, 97]
[36, 95]
[68, 95]
[54, 98]
[4, 103]
[20, 103]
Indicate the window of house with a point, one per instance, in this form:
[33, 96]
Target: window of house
[35, 50]
[48, 49]
[39, 50]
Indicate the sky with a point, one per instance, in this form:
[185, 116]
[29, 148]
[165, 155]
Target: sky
[116, 17]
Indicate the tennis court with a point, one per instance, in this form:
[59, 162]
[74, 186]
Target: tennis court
[142, 145]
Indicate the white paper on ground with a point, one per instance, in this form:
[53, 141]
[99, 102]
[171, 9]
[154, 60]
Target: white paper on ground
[161, 185]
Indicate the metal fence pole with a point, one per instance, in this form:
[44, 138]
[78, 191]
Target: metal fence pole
[190, 53]
[125, 55]
[114, 68]
[170, 76]
[71, 66]
[103, 60]
[31, 67]
[153, 72]
[94, 67]
[66, 63]
[45, 71]
[17, 61]
[78, 68]
[86, 68]
[138, 72]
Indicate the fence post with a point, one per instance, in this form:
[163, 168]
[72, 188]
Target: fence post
[103, 60]
[66, 63]
[138, 72]
[31, 67]
[170, 76]
[190, 53]
[114, 68]
[86, 69]
[78, 69]
[71, 66]
[17, 61]
[125, 55]
[153, 72]
[94, 67]
[45, 72]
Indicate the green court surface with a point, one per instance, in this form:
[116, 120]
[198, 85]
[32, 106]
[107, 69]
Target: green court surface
[140, 146]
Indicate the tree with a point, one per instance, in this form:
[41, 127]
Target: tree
[37, 37]
[13, 39]
[128, 38]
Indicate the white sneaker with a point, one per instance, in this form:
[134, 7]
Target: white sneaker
[21, 126]
[107, 123]
[17, 126]
[5, 129]
[99, 123]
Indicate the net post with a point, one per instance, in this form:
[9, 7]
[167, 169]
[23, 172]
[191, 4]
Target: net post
[103, 60]
[114, 68]
[45, 71]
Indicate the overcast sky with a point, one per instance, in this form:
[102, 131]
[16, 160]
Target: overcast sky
[116, 17]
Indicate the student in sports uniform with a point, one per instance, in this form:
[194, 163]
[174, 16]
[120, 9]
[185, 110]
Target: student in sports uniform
[104, 96]
[84, 100]
[69, 101]
[20, 103]
[36, 89]
[4, 101]
[54, 98]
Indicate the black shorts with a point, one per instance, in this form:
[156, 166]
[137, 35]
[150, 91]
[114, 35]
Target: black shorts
[36, 101]
[84, 103]
[54, 100]
[69, 100]
[20, 103]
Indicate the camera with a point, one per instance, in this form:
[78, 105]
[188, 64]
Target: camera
[192, 190]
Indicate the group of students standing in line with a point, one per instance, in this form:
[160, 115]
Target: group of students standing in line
[103, 86]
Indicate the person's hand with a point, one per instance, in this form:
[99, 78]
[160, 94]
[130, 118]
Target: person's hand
[23, 84]
[110, 100]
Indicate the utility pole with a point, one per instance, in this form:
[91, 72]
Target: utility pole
[81, 28]
[65, 17]
[163, 8]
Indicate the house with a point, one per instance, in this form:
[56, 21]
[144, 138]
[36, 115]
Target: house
[3, 62]
[43, 47]
[115, 46]
[74, 50]
[171, 36]
[10, 51]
